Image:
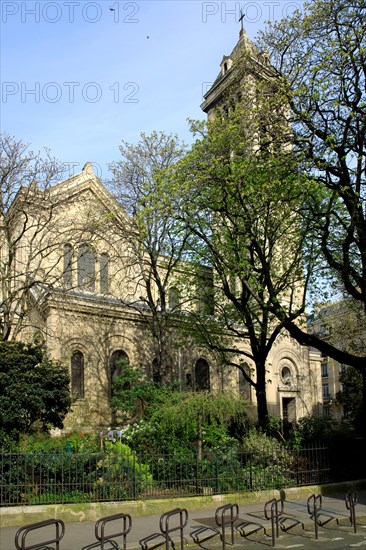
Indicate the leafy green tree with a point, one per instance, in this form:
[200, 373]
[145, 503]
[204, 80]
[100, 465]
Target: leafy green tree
[242, 196]
[155, 241]
[351, 396]
[34, 391]
[164, 418]
[135, 398]
[318, 54]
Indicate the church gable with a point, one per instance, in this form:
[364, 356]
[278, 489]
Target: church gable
[87, 245]
[86, 189]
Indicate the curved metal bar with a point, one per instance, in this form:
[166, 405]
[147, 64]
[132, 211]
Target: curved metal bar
[166, 528]
[226, 515]
[351, 501]
[314, 506]
[23, 532]
[271, 512]
[100, 528]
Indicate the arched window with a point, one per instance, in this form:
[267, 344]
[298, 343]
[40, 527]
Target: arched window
[77, 374]
[173, 298]
[202, 375]
[38, 338]
[68, 265]
[116, 361]
[286, 376]
[86, 268]
[104, 273]
[244, 386]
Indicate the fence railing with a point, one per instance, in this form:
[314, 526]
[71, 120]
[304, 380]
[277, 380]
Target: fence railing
[46, 478]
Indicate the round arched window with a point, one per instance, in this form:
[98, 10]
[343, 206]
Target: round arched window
[286, 376]
[116, 363]
[202, 375]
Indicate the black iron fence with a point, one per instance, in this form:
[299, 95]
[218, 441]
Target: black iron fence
[60, 477]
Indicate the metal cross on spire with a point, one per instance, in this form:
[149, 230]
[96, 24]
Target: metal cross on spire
[242, 15]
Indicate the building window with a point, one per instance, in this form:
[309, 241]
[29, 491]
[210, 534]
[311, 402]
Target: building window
[68, 265]
[325, 391]
[38, 338]
[174, 298]
[77, 374]
[116, 362]
[86, 269]
[244, 386]
[286, 376]
[324, 370]
[288, 410]
[202, 375]
[104, 273]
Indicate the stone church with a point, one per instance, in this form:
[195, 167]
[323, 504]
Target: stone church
[81, 310]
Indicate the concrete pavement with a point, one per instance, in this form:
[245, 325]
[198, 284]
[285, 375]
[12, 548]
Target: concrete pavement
[331, 536]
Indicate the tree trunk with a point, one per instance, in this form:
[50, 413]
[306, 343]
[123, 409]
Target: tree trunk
[363, 410]
[260, 388]
[161, 344]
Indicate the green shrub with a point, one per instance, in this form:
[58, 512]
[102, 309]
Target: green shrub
[80, 442]
[120, 475]
[313, 429]
[34, 391]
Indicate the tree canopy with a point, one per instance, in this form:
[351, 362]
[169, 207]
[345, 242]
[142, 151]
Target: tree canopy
[319, 58]
[155, 241]
[167, 418]
[34, 391]
[241, 198]
[28, 235]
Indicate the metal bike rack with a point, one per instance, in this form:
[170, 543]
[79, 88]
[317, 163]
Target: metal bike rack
[272, 512]
[226, 516]
[102, 537]
[314, 506]
[23, 532]
[166, 529]
[351, 501]
[180, 518]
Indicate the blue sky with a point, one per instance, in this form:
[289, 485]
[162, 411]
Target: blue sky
[77, 77]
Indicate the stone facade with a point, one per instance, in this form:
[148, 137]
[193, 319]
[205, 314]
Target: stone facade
[88, 324]
[81, 305]
[342, 324]
[89, 310]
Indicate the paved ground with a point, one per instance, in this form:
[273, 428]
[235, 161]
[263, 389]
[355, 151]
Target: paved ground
[331, 536]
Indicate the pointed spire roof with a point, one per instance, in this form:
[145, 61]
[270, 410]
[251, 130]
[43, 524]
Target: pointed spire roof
[244, 58]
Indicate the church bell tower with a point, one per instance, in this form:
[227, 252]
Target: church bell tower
[243, 68]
